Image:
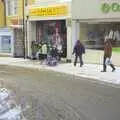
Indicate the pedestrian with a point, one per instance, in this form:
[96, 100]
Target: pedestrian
[54, 52]
[78, 50]
[59, 48]
[39, 54]
[52, 58]
[34, 49]
[107, 56]
[44, 51]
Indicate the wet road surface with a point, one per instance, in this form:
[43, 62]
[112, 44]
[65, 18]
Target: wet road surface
[55, 96]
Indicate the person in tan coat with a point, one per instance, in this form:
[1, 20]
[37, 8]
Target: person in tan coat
[107, 55]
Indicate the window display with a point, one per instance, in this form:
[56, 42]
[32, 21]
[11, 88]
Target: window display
[53, 33]
[98, 33]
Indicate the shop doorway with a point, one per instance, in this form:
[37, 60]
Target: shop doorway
[53, 33]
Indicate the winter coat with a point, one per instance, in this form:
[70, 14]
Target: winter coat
[79, 49]
[108, 50]
[44, 49]
[54, 52]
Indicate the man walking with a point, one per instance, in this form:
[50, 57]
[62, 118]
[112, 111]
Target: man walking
[78, 50]
[107, 56]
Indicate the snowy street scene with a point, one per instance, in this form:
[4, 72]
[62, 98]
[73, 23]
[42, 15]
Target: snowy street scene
[59, 59]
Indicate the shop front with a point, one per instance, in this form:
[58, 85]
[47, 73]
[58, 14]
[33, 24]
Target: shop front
[98, 22]
[94, 35]
[49, 25]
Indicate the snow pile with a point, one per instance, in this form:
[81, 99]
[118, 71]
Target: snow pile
[8, 107]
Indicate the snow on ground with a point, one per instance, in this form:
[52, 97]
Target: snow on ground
[88, 70]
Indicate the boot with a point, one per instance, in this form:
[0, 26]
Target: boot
[113, 68]
[81, 65]
[74, 64]
[103, 71]
[104, 68]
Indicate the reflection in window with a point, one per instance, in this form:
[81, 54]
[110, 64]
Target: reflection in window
[94, 35]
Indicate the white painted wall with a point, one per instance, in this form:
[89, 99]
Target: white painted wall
[91, 9]
[31, 35]
[69, 42]
[75, 32]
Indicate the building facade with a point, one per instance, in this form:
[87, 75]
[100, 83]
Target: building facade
[6, 39]
[2, 15]
[15, 13]
[63, 22]
[14, 21]
[50, 22]
[98, 22]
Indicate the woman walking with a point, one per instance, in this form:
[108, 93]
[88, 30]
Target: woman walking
[107, 56]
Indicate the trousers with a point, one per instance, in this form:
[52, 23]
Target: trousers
[80, 58]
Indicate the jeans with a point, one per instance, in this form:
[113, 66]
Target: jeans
[104, 64]
[80, 58]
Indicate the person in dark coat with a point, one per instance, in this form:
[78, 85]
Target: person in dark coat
[78, 50]
[107, 55]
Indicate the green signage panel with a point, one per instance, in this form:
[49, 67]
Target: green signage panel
[110, 7]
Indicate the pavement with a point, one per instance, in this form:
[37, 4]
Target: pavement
[92, 71]
[96, 57]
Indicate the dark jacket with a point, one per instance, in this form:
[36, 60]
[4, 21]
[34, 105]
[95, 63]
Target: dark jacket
[54, 52]
[79, 49]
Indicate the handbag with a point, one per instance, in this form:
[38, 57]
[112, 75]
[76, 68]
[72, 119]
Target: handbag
[108, 61]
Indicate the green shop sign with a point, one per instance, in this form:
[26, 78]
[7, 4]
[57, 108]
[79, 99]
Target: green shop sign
[110, 7]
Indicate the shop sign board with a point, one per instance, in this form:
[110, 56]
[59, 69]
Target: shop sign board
[61, 10]
[110, 7]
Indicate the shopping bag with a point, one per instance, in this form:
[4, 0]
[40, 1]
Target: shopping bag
[108, 61]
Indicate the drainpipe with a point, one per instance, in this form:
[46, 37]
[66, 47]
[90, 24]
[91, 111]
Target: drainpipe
[24, 43]
[4, 3]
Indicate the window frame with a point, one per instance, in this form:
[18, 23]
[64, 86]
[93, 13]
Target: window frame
[12, 7]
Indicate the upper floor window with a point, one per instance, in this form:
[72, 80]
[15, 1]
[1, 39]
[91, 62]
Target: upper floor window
[11, 7]
[15, 7]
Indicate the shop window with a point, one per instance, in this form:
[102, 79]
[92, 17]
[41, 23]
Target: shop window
[5, 44]
[53, 33]
[94, 35]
